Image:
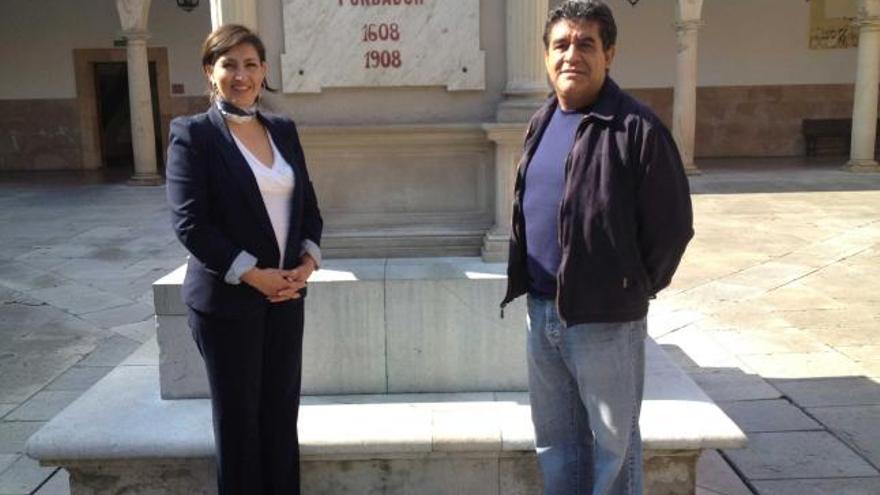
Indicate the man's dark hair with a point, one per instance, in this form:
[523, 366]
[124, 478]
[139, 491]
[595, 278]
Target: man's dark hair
[582, 11]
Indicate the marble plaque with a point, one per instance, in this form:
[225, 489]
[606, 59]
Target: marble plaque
[381, 43]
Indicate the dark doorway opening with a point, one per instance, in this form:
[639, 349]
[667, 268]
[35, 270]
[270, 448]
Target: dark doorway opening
[114, 115]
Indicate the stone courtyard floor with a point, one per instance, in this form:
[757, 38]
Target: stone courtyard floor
[775, 312]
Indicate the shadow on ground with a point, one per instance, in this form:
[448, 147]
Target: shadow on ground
[810, 436]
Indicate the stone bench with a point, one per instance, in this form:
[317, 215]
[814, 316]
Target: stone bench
[839, 130]
[461, 439]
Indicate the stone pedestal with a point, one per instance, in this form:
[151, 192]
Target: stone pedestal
[684, 107]
[526, 77]
[234, 12]
[508, 139]
[864, 128]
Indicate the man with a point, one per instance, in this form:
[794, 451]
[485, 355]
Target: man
[601, 218]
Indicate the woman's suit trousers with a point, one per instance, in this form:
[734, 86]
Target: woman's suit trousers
[254, 365]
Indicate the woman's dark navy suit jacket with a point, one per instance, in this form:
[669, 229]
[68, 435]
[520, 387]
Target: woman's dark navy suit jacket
[217, 209]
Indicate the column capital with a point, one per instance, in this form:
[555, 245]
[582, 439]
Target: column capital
[688, 10]
[690, 25]
[135, 36]
[867, 23]
[133, 14]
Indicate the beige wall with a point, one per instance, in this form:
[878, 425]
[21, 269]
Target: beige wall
[742, 43]
[38, 37]
[757, 78]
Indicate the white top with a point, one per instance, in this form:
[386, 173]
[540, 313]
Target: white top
[276, 182]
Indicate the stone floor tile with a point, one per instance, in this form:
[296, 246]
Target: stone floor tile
[872, 368]
[58, 484]
[78, 299]
[140, 331]
[839, 486]
[792, 455]
[5, 408]
[858, 426]
[770, 275]
[799, 295]
[758, 416]
[779, 340]
[802, 365]
[110, 351]
[29, 366]
[699, 348]
[147, 354]
[733, 384]
[7, 460]
[24, 476]
[715, 476]
[834, 391]
[836, 327]
[23, 277]
[126, 314]
[43, 406]
[864, 354]
[14, 435]
[79, 378]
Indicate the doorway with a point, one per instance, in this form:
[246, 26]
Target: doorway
[114, 115]
[105, 118]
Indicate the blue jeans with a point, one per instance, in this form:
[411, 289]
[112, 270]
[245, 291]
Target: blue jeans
[585, 387]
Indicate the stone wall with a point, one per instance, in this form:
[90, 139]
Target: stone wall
[39, 134]
[756, 121]
[45, 134]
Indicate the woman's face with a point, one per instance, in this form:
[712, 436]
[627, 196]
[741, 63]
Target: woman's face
[238, 75]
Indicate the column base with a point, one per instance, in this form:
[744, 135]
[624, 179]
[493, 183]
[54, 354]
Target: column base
[495, 247]
[146, 180]
[862, 166]
[518, 109]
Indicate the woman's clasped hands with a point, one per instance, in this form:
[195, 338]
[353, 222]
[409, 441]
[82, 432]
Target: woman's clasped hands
[280, 285]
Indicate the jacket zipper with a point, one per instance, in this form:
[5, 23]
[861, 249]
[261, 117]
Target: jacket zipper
[565, 193]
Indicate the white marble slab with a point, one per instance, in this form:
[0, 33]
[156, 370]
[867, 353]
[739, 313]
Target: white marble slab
[370, 43]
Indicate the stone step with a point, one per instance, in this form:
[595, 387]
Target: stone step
[121, 434]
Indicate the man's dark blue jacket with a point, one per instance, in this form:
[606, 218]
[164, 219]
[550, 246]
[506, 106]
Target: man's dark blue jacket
[625, 217]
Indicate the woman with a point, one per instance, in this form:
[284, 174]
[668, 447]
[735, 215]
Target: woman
[242, 204]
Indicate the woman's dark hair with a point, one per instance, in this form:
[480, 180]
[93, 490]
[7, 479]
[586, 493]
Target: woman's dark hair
[227, 37]
[582, 11]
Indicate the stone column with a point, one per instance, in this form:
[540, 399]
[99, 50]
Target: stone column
[234, 12]
[864, 120]
[133, 17]
[508, 139]
[684, 108]
[526, 89]
[526, 76]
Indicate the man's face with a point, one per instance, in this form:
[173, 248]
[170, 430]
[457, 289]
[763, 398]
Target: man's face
[576, 62]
